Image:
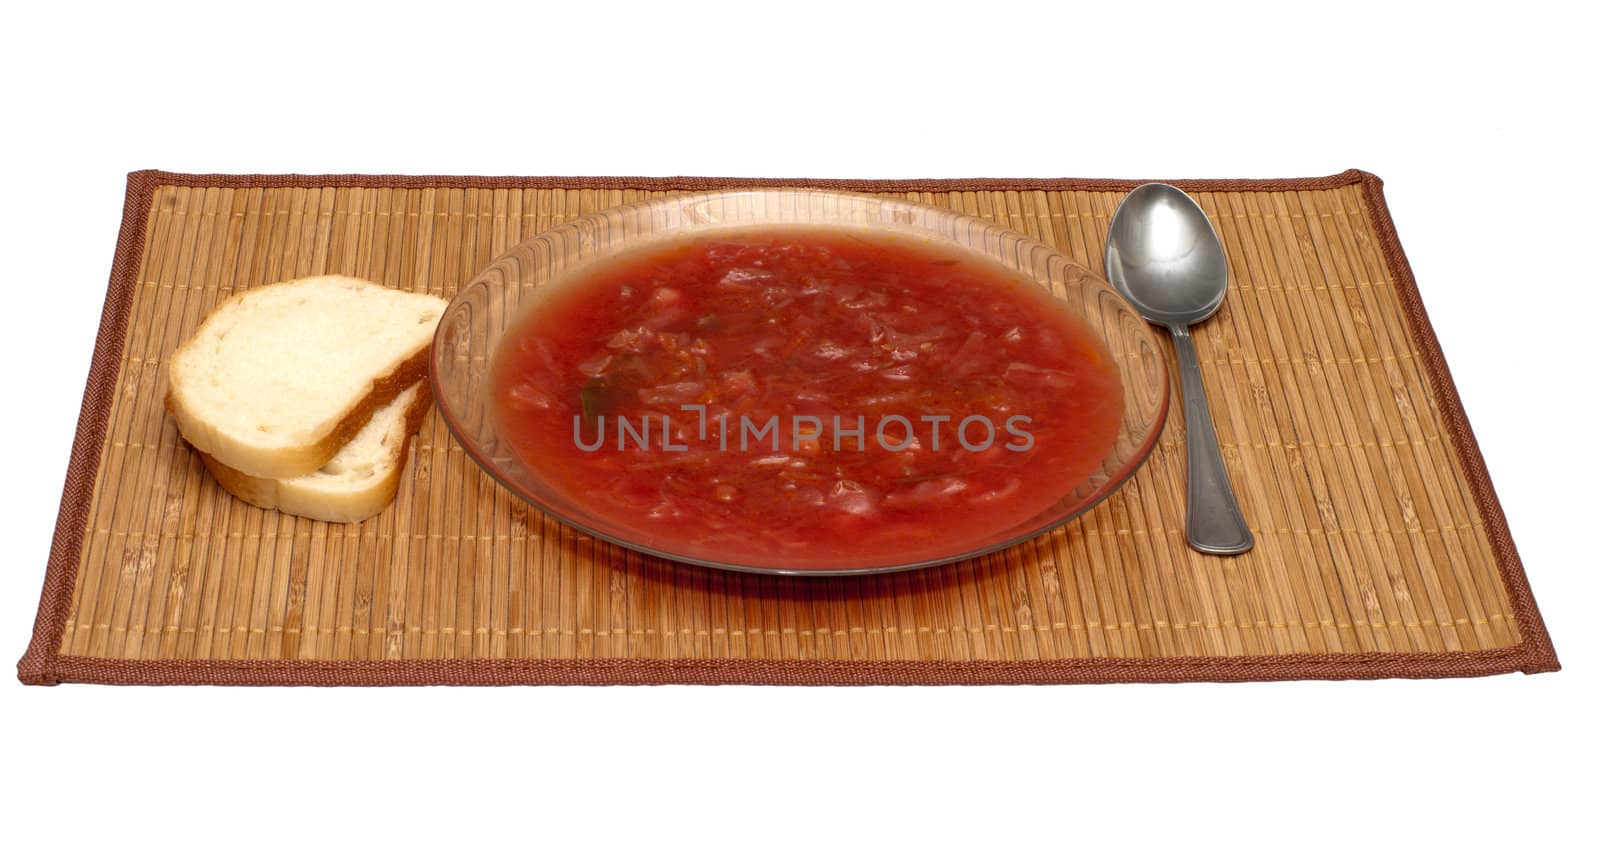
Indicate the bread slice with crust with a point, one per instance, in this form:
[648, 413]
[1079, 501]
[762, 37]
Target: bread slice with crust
[279, 378]
[359, 481]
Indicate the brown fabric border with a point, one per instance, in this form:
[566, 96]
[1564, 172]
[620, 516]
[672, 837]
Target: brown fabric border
[1535, 637]
[695, 182]
[38, 664]
[42, 663]
[458, 672]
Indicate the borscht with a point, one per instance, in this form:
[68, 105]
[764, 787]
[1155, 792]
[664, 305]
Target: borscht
[805, 396]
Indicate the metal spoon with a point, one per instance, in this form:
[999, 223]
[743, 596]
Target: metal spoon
[1163, 255]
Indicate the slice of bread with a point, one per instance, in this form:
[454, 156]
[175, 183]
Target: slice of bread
[360, 481]
[279, 378]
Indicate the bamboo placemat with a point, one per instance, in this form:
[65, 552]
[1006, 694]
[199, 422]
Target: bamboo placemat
[1381, 547]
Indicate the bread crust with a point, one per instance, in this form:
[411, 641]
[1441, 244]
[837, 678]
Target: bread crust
[283, 495]
[289, 463]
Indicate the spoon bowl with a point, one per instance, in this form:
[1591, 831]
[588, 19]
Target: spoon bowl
[1164, 257]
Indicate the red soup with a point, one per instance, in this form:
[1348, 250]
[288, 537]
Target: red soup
[805, 398]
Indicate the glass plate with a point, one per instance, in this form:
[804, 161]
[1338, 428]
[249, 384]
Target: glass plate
[478, 317]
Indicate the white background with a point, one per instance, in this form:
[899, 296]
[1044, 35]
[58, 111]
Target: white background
[1475, 116]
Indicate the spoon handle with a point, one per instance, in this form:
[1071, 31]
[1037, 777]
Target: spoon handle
[1215, 524]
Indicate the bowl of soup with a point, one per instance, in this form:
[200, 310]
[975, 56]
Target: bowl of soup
[798, 381]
